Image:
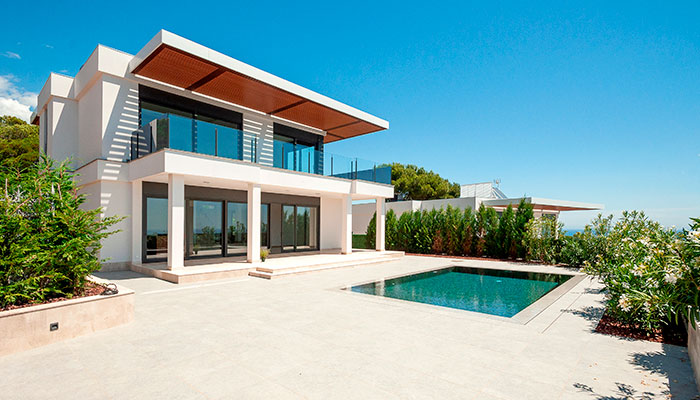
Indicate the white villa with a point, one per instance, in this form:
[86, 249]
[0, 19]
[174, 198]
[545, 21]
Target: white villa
[472, 196]
[210, 159]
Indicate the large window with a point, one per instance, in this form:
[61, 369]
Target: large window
[156, 228]
[205, 234]
[189, 125]
[237, 227]
[299, 228]
[219, 228]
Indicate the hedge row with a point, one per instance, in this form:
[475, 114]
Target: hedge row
[458, 232]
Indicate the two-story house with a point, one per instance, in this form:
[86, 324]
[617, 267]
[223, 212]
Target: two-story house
[207, 156]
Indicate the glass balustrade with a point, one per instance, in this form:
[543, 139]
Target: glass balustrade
[194, 135]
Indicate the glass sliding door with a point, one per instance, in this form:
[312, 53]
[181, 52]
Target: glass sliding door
[156, 228]
[299, 228]
[205, 230]
[288, 228]
[237, 228]
[265, 226]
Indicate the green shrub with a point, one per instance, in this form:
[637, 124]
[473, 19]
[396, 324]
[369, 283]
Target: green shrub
[493, 246]
[481, 225]
[542, 240]
[358, 241]
[467, 232]
[523, 215]
[391, 230]
[650, 273]
[48, 244]
[506, 234]
[371, 235]
[452, 223]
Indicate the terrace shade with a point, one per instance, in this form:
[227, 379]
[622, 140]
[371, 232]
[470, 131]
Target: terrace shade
[543, 204]
[178, 67]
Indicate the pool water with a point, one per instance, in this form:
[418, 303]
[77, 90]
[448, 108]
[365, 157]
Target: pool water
[495, 292]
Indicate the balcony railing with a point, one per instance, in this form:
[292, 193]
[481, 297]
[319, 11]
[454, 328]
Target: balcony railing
[188, 134]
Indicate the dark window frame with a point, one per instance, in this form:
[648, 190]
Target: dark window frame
[318, 228]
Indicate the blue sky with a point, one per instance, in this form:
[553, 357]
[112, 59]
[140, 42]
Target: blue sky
[597, 103]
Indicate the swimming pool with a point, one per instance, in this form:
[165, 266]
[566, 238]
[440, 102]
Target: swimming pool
[490, 291]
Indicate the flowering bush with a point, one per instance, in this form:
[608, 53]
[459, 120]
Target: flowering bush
[649, 272]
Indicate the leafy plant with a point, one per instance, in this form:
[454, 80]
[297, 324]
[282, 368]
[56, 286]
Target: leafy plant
[542, 240]
[264, 253]
[651, 274]
[48, 243]
[371, 235]
[523, 215]
[19, 143]
[391, 230]
[506, 234]
[415, 183]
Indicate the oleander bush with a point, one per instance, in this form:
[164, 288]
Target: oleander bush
[651, 273]
[48, 243]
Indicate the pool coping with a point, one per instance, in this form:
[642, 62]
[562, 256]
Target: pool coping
[522, 318]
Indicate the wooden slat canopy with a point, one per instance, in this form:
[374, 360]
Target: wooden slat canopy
[177, 67]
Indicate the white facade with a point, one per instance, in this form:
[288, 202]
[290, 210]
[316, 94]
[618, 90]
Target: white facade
[91, 120]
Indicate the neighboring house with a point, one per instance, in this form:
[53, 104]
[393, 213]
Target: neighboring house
[206, 156]
[471, 196]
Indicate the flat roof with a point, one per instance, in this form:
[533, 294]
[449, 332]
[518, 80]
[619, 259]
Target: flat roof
[539, 203]
[180, 62]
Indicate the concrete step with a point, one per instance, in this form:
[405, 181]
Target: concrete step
[268, 273]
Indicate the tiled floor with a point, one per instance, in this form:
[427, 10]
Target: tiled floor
[301, 337]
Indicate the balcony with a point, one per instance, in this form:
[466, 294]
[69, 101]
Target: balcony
[198, 136]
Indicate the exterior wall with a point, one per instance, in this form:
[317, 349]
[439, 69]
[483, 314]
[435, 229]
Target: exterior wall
[63, 128]
[115, 199]
[362, 213]
[331, 220]
[120, 117]
[260, 127]
[461, 203]
[90, 125]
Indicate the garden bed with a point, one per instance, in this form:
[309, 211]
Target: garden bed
[91, 289]
[27, 327]
[675, 334]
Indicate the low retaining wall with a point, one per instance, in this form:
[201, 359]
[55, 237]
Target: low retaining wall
[694, 352]
[29, 327]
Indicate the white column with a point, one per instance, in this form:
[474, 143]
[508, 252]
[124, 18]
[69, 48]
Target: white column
[254, 194]
[136, 221]
[380, 242]
[346, 226]
[176, 221]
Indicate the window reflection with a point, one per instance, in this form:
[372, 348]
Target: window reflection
[156, 228]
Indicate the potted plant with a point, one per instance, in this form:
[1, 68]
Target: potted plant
[264, 253]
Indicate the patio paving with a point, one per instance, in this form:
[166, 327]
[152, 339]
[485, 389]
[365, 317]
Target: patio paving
[302, 337]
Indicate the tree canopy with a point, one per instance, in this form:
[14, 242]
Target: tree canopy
[415, 183]
[19, 143]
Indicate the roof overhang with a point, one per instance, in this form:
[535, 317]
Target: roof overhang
[179, 62]
[539, 203]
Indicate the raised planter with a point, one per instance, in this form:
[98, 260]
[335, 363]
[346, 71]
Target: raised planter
[694, 352]
[29, 327]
